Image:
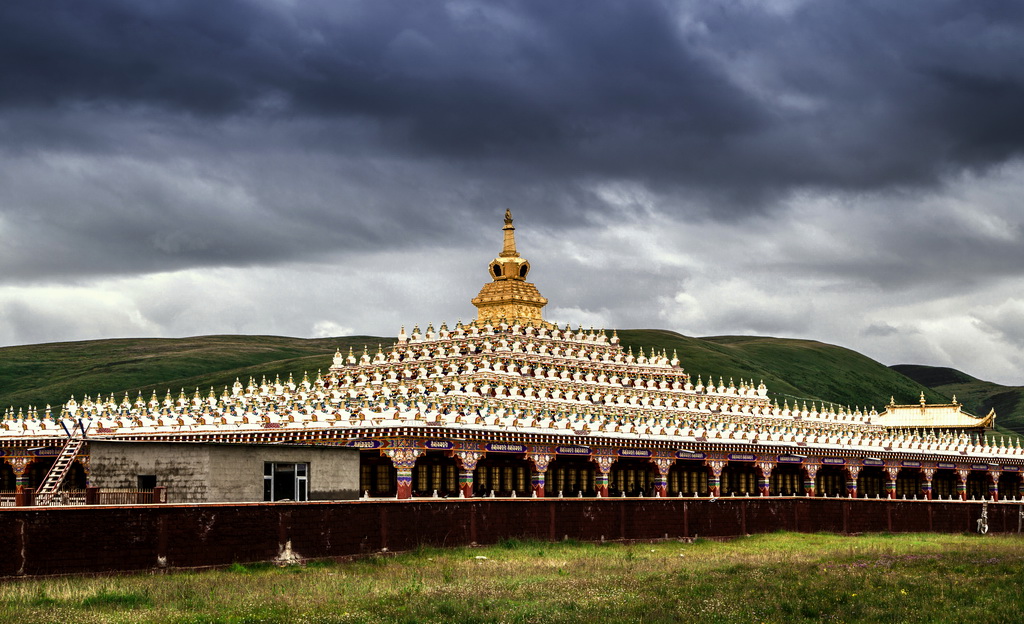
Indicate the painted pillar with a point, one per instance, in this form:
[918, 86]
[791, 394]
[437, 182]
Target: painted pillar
[466, 483]
[715, 478]
[404, 460]
[926, 487]
[811, 471]
[604, 470]
[961, 485]
[664, 464]
[661, 485]
[538, 476]
[467, 461]
[993, 484]
[538, 479]
[765, 480]
[851, 480]
[890, 483]
[20, 467]
[404, 481]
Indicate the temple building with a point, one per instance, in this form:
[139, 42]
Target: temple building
[925, 416]
[514, 405]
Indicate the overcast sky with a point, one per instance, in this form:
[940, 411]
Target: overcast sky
[850, 172]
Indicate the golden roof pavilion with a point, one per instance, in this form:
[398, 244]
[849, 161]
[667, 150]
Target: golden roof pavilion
[949, 416]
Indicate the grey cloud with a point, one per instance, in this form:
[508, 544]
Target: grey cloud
[1005, 322]
[898, 94]
[880, 330]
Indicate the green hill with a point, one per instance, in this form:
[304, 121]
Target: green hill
[802, 370]
[976, 395]
[50, 373]
[805, 370]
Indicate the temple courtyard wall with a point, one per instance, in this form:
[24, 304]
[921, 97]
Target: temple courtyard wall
[42, 541]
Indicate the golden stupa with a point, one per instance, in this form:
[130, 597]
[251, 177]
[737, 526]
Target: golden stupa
[509, 297]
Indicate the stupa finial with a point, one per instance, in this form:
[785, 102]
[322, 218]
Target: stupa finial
[508, 249]
[509, 295]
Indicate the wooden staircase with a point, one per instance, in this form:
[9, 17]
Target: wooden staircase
[55, 476]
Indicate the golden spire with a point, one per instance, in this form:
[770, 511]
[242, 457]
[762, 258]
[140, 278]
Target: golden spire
[509, 296]
[508, 250]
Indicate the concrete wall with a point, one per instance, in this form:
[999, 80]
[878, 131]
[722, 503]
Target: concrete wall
[199, 473]
[184, 469]
[139, 538]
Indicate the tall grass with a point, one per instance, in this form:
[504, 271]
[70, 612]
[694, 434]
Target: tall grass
[779, 577]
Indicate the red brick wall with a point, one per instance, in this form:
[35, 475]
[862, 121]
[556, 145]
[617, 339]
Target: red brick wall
[97, 539]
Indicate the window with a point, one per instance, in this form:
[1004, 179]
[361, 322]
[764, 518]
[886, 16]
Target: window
[285, 482]
[146, 482]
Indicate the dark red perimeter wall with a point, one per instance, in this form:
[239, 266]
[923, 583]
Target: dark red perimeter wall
[98, 539]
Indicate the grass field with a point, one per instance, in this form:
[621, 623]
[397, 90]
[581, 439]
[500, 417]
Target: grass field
[779, 577]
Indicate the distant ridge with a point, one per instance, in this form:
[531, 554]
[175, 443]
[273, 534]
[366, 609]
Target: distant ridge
[795, 371]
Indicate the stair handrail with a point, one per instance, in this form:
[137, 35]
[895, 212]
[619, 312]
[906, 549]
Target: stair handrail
[58, 471]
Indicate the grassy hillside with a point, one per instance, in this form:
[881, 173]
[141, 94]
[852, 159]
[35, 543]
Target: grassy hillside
[977, 396]
[50, 373]
[792, 369]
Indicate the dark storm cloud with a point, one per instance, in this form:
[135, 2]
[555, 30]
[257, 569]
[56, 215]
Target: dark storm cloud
[462, 82]
[142, 137]
[728, 99]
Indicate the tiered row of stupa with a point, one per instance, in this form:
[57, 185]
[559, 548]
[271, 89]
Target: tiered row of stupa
[516, 392]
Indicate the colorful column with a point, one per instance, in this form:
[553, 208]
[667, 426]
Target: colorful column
[538, 476]
[765, 480]
[851, 480]
[467, 460]
[926, 487]
[890, 483]
[466, 483]
[404, 460]
[661, 479]
[810, 472]
[538, 479]
[961, 485]
[604, 470]
[993, 484]
[661, 485]
[715, 478]
[404, 481]
[20, 467]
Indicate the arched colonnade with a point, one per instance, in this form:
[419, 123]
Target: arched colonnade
[517, 471]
